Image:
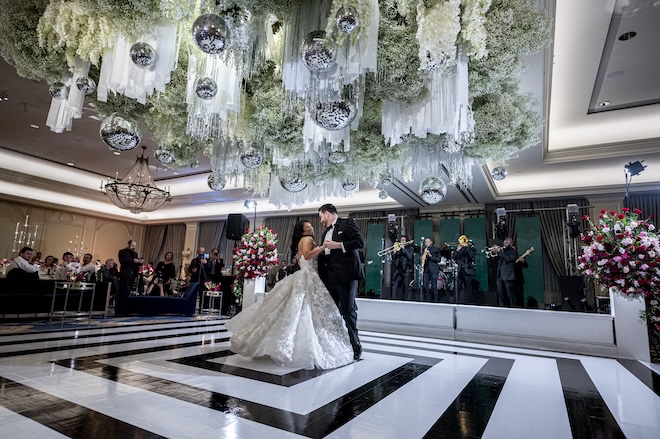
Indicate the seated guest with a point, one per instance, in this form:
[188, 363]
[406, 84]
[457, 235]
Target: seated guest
[36, 259]
[109, 271]
[67, 265]
[293, 265]
[154, 288]
[281, 273]
[21, 267]
[48, 268]
[88, 267]
[166, 271]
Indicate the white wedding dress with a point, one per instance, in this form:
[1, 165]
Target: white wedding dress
[297, 324]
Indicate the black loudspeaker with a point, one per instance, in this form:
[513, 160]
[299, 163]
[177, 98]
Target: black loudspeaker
[237, 224]
[572, 292]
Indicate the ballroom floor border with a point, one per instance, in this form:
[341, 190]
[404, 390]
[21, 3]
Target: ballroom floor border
[148, 379]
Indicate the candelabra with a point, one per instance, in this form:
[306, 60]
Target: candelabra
[23, 237]
[76, 246]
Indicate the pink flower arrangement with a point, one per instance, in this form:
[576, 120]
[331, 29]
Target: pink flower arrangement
[622, 253]
[75, 276]
[211, 286]
[253, 257]
[147, 270]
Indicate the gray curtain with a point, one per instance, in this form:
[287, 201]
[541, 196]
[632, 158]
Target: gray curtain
[209, 234]
[153, 240]
[648, 203]
[173, 241]
[283, 226]
[552, 215]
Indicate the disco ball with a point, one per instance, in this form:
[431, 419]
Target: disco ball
[337, 157]
[252, 159]
[165, 156]
[216, 182]
[386, 179]
[59, 91]
[350, 185]
[318, 52]
[143, 55]
[347, 19]
[318, 180]
[499, 173]
[194, 165]
[382, 194]
[119, 132]
[206, 88]
[450, 146]
[210, 33]
[333, 115]
[293, 183]
[86, 84]
[433, 190]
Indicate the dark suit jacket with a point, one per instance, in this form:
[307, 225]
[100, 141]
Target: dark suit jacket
[346, 265]
[506, 265]
[431, 264]
[403, 260]
[464, 259]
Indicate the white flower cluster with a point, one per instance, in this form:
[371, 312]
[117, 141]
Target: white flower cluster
[438, 26]
[473, 27]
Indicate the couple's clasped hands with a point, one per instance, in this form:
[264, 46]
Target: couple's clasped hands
[331, 245]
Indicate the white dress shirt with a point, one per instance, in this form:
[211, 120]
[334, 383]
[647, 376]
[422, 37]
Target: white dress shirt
[21, 263]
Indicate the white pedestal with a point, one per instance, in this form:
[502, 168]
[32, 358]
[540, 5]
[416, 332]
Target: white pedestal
[632, 338]
[252, 287]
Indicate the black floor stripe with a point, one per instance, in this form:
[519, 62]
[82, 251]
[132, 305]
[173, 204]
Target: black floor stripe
[63, 416]
[468, 415]
[650, 378]
[316, 424]
[588, 414]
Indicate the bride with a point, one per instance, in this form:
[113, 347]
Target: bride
[297, 324]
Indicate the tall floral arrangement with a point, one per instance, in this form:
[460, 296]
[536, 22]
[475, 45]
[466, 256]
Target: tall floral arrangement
[253, 257]
[622, 252]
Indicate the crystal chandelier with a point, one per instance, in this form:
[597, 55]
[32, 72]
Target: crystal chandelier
[137, 192]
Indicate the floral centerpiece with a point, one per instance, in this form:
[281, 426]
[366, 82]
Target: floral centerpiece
[147, 272]
[253, 257]
[211, 286]
[75, 276]
[622, 253]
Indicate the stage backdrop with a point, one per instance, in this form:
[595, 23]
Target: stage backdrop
[528, 234]
[373, 266]
[475, 229]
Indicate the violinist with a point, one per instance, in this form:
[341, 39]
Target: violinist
[430, 271]
[464, 258]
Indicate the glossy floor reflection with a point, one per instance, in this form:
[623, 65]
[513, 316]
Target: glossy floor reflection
[180, 380]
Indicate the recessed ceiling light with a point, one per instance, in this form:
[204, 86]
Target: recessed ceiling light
[95, 117]
[627, 36]
[92, 104]
[71, 164]
[176, 173]
[615, 74]
[34, 126]
[117, 153]
[604, 103]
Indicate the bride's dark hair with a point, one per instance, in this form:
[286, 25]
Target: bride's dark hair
[298, 233]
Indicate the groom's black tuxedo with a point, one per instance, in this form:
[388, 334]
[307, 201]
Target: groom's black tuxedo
[340, 272]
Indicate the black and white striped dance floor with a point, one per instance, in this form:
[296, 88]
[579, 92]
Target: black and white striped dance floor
[178, 380]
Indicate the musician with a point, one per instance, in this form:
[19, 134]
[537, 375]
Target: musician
[429, 260]
[506, 274]
[465, 271]
[402, 270]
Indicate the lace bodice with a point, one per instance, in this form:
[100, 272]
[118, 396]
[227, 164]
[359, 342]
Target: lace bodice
[307, 265]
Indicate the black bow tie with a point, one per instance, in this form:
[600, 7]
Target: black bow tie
[327, 229]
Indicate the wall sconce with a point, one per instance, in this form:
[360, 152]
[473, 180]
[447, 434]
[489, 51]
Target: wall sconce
[186, 253]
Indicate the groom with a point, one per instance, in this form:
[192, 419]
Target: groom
[340, 267]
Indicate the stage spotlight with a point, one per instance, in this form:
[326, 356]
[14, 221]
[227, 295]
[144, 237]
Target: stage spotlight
[634, 168]
[574, 225]
[501, 230]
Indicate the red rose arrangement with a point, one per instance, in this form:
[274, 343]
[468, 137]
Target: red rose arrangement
[253, 257]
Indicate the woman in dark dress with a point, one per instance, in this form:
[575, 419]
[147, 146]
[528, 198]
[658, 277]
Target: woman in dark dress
[166, 271]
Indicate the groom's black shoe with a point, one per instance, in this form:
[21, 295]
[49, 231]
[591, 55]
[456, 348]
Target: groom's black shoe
[357, 352]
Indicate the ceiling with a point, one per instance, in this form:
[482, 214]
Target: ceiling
[585, 143]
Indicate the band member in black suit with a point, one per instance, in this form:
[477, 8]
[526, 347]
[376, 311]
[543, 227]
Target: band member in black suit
[130, 264]
[465, 271]
[340, 268]
[429, 260]
[506, 274]
[402, 270]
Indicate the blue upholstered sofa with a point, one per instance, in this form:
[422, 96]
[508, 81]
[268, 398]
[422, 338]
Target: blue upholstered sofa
[184, 305]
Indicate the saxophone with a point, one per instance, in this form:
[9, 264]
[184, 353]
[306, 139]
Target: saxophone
[423, 260]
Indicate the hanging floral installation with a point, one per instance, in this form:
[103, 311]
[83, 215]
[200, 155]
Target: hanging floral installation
[302, 99]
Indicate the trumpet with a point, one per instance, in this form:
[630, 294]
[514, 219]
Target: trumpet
[395, 248]
[492, 252]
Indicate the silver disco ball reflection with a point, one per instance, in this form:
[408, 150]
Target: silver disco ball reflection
[433, 190]
[347, 19]
[59, 91]
[206, 88]
[143, 55]
[216, 182]
[386, 179]
[165, 156]
[333, 115]
[119, 132]
[350, 185]
[86, 84]
[499, 173]
[318, 52]
[210, 33]
[382, 194]
[251, 159]
[194, 165]
[293, 183]
[337, 157]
